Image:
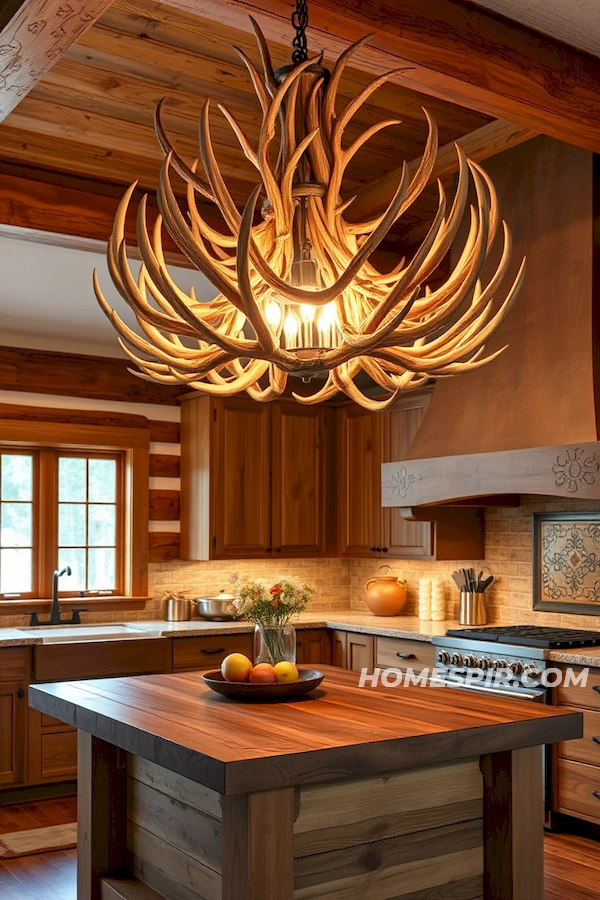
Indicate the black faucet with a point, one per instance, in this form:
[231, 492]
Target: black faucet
[55, 618]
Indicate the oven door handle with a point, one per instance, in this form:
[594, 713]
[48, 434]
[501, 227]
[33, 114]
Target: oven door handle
[491, 692]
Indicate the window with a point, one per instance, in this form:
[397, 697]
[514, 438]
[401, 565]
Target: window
[73, 492]
[61, 508]
[16, 523]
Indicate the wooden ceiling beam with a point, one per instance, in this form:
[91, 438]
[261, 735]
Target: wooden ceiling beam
[34, 38]
[452, 50]
[478, 145]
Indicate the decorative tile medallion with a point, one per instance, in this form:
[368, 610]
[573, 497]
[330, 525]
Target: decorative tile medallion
[566, 562]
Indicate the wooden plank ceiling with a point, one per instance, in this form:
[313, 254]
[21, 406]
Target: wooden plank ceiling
[91, 114]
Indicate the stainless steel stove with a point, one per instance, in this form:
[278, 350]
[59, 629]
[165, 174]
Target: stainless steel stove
[507, 660]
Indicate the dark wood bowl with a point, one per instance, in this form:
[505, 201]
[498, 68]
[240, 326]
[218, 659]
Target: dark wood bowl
[308, 680]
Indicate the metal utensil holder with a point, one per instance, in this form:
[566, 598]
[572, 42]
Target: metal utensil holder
[472, 609]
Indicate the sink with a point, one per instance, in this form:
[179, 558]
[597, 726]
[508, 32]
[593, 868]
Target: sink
[61, 634]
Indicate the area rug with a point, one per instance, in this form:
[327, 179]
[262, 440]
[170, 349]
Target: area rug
[38, 840]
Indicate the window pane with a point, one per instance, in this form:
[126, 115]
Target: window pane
[103, 481]
[76, 559]
[71, 478]
[71, 524]
[16, 525]
[15, 571]
[102, 525]
[102, 572]
[17, 477]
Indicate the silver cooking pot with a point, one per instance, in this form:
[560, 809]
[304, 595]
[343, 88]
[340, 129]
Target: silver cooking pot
[215, 608]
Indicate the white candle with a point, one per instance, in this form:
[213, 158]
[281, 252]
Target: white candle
[438, 600]
[425, 599]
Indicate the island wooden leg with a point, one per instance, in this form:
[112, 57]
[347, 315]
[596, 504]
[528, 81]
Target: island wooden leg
[514, 825]
[258, 846]
[101, 813]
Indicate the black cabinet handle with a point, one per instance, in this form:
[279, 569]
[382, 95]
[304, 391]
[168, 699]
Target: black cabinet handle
[596, 687]
[213, 652]
[277, 549]
[385, 549]
[375, 549]
[21, 693]
[596, 794]
[269, 549]
[596, 740]
[406, 655]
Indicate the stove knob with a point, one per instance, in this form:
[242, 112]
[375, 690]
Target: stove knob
[532, 671]
[501, 664]
[444, 657]
[516, 668]
[471, 662]
[484, 663]
[457, 659]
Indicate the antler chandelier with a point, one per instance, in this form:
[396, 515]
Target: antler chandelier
[298, 291]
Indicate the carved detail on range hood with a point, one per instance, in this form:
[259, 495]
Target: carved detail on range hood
[526, 423]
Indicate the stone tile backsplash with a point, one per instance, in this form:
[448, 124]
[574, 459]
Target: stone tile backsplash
[340, 582]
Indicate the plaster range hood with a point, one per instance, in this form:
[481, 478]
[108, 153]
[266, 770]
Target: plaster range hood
[528, 422]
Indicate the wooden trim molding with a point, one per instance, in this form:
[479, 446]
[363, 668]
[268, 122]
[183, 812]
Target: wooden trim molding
[76, 375]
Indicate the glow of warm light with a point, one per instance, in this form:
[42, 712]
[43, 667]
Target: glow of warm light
[273, 314]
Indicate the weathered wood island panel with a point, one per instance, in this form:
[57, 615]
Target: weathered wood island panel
[371, 793]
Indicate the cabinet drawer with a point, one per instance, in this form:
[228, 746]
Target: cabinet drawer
[14, 663]
[576, 785]
[576, 695]
[398, 653]
[100, 659]
[209, 652]
[59, 754]
[584, 749]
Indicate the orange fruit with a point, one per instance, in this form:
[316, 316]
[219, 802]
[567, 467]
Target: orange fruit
[263, 673]
[236, 667]
[286, 671]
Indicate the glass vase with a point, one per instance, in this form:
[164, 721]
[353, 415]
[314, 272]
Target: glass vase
[274, 643]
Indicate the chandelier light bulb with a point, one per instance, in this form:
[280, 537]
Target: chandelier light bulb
[273, 314]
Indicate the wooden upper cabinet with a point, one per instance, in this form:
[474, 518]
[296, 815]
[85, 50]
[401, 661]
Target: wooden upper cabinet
[298, 478]
[360, 456]
[240, 486]
[400, 425]
[366, 440]
[253, 479]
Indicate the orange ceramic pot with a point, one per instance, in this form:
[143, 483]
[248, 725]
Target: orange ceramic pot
[385, 595]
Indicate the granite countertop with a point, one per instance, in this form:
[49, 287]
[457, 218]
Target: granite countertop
[343, 620]
[575, 656]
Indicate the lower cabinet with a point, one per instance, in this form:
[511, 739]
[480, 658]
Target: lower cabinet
[14, 678]
[576, 770]
[355, 651]
[313, 647]
[52, 750]
[210, 651]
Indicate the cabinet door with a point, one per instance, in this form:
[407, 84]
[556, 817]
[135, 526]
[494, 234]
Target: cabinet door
[400, 425]
[240, 480]
[13, 707]
[298, 479]
[312, 647]
[361, 652]
[360, 457]
[339, 649]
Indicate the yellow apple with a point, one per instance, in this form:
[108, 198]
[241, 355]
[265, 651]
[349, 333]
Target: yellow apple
[236, 667]
[286, 671]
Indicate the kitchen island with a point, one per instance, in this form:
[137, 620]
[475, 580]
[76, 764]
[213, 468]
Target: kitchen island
[375, 793]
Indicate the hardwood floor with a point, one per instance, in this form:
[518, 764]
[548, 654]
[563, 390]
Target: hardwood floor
[572, 863]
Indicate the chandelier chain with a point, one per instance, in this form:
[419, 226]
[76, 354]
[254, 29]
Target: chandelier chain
[300, 24]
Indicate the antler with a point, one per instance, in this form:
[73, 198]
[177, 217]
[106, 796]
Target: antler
[390, 325]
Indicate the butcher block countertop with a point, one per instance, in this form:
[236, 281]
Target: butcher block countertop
[339, 731]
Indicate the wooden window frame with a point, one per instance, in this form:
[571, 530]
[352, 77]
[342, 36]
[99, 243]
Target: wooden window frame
[36, 529]
[98, 453]
[133, 442]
